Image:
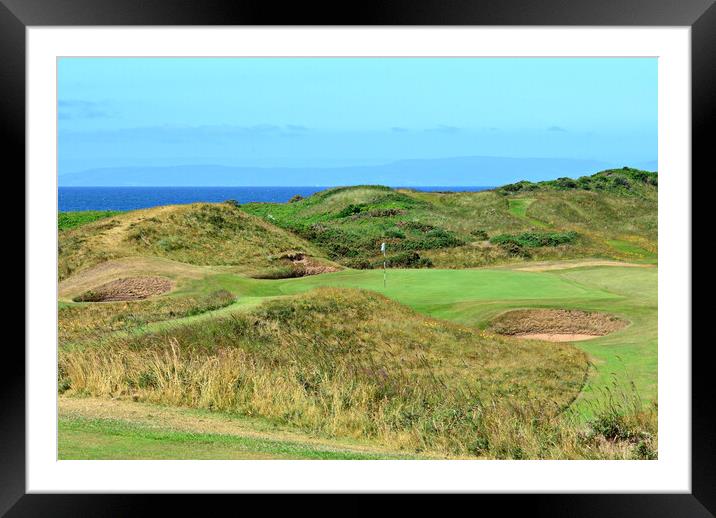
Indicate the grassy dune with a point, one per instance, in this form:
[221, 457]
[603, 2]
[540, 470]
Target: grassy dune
[199, 234]
[450, 229]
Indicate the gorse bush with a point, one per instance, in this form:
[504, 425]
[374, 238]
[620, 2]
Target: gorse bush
[535, 239]
[407, 260]
[618, 181]
[480, 234]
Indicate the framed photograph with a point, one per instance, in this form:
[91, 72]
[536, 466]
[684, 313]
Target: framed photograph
[444, 249]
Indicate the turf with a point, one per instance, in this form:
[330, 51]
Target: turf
[68, 220]
[82, 439]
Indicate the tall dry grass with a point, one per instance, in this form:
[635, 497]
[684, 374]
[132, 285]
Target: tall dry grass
[349, 363]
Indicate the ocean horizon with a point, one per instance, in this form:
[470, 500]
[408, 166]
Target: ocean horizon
[132, 198]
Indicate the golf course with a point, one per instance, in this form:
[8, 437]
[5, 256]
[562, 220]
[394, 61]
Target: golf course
[516, 323]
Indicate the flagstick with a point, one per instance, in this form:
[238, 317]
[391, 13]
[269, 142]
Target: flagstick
[382, 249]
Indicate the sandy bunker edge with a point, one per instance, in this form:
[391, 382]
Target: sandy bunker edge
[127, 288]
[556, 325]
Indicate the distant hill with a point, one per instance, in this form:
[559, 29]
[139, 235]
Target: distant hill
[610, 214]
[460, 171]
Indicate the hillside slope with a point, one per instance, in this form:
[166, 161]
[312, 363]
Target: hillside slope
[198, 234]
[610, 214]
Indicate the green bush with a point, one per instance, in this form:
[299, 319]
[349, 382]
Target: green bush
[407, 260]
[480, 234]
[535, 239]
[350, 210]
[394, 233]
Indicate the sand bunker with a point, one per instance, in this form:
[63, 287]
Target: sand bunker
[564, 265]
[129, 288]
[307, 265]
[556, 325]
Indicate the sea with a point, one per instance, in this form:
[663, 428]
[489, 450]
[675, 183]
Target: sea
[131, 198]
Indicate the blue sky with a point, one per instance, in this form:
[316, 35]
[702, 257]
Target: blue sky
[298, 112]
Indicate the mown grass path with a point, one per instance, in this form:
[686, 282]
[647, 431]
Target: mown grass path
[91, 428]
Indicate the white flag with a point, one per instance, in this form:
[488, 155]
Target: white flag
[382, 247]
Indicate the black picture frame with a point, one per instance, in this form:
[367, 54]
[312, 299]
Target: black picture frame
[700, 15]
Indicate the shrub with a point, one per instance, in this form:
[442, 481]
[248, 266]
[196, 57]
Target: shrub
[350, 210]
[515, 249]
[359, 264]
[415, 225]
[295, 198]
[536, 239]
[480, 234]
[408, 260]
[394, 233]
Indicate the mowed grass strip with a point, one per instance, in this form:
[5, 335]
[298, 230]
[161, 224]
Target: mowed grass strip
[72, 219]
[108, 439]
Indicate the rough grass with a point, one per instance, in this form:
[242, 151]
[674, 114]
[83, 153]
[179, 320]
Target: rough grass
[343, 363]
[199, 234]
[529, 321]
[450, 229]
[94, 321]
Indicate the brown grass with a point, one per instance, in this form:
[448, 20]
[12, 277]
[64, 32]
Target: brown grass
[556, 321]
[94, 322]
[344, 363]
[127, 288]
[199, 234]
[108, 271]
